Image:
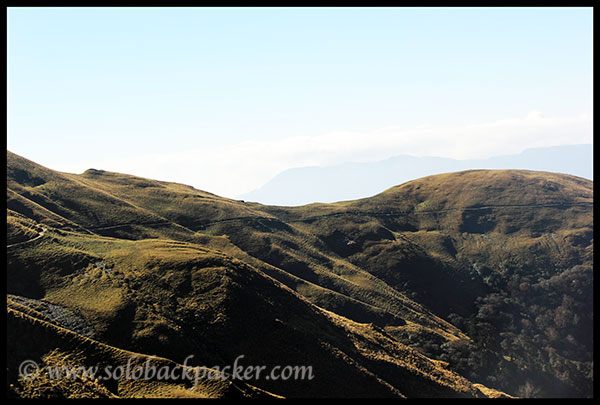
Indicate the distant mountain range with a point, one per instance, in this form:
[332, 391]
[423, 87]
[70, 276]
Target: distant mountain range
[305, 185]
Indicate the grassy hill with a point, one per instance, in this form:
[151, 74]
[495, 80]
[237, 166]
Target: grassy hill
[467, 284]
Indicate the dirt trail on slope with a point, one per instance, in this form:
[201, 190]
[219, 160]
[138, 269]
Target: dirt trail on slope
[42, 233]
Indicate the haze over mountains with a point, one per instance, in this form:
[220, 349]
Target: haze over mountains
[475, 283]
[347, 181]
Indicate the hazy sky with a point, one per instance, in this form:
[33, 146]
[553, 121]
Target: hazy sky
[225, 99]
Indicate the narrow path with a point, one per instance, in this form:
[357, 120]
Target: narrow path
[412, 212]
[402, 213]
[42, 233]
[103, 228]
[333, 214]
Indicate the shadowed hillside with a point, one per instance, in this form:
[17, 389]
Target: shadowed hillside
[466, 284]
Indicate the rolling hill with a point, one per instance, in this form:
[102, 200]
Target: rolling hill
[466, 284]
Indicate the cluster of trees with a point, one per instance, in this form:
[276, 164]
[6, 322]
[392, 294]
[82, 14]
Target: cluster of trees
[531, 337]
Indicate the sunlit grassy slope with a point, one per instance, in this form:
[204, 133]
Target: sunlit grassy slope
[385, 296]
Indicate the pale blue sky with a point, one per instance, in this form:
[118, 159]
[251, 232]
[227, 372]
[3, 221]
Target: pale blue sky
[90, 87]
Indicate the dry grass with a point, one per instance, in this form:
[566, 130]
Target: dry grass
[345, 285]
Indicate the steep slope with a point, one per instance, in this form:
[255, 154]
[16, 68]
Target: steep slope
[422, 290]
[174, 299]
[302, 264]
[504, 255]
[54, 348]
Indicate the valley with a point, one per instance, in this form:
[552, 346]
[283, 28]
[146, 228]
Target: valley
[476, 283]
